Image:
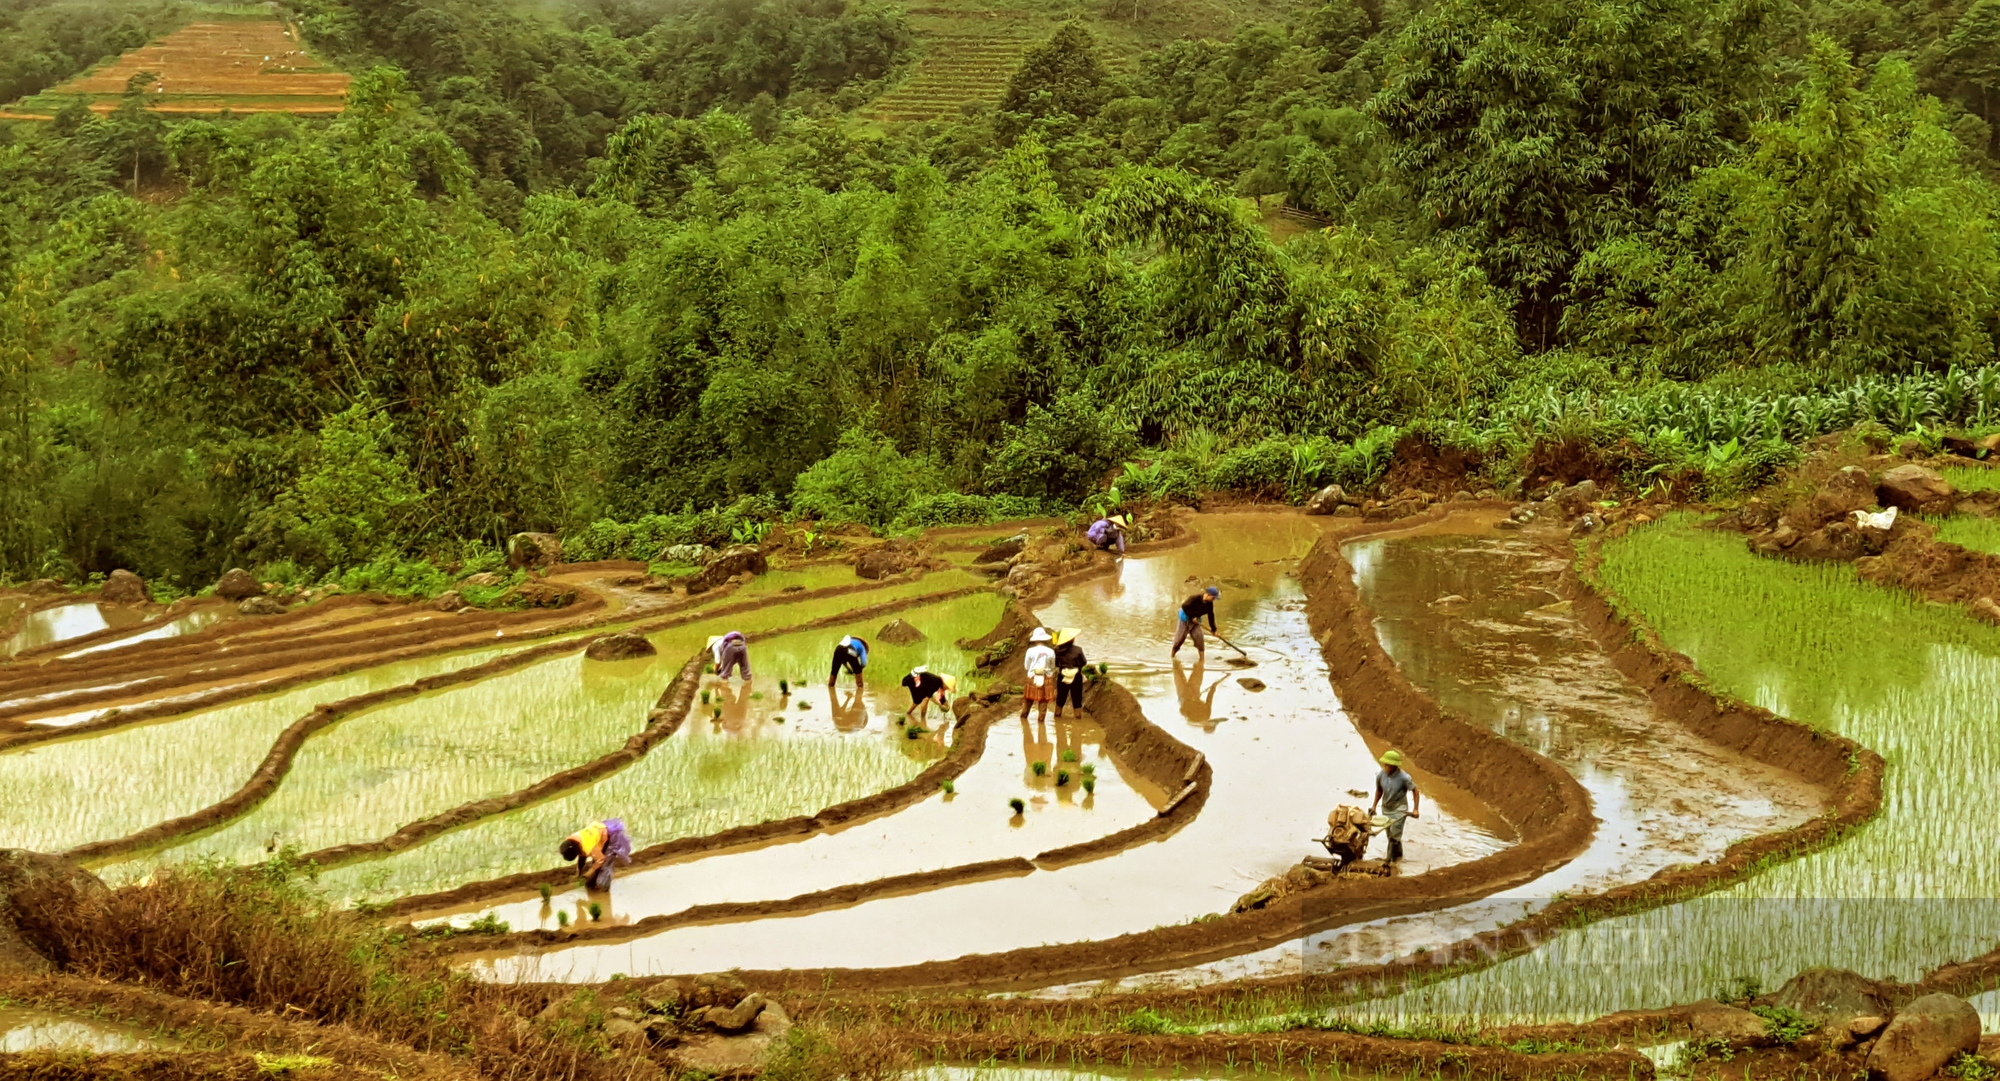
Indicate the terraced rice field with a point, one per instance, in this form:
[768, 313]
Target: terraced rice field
[959, 70]
[250, 64]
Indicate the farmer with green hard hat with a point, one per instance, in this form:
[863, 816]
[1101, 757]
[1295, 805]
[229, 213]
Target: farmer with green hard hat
[1397, 792]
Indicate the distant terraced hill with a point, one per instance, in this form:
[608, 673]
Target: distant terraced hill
[243, 64]
[957, 70]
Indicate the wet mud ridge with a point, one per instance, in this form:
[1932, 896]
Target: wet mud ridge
[674, 703]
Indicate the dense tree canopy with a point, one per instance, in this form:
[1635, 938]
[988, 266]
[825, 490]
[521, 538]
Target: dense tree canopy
[637, 274]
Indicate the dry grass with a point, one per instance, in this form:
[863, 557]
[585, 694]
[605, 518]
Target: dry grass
[263, 938]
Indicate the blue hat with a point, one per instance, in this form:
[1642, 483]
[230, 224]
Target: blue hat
[1212, 591]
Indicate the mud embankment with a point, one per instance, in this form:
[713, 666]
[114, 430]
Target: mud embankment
[284, 750]
[1136, 746]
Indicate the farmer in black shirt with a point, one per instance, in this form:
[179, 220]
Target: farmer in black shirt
[1192, 610]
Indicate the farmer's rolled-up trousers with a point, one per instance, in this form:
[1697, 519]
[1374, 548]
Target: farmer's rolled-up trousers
[1190, 627]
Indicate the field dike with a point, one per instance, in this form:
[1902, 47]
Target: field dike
[1380, 700]
[1134, 743]
[284, 750]
[1551, 806]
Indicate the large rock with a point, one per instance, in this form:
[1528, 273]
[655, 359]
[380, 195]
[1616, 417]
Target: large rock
[620, 647]
[261, 605]
[1578, 497]
[1841, 541]
[1831, 994]
[1842, 494]
[62, 883]
[885, 560]
[1924, 1036]
[1326, 500]
[534, 550]
[1914, 488]
[736, 1056]
[1002, 551]
[123, 587]
[727, 564]
[898, 632]
[238, 584]
[535, 593]
[1716, 1021]
[451, 600]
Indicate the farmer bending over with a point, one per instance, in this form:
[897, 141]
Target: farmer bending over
[1107, 533]
[596, 848]
[1397, 792]
[850, 653]
[925, 687]
[731, 650]
[1192, 611]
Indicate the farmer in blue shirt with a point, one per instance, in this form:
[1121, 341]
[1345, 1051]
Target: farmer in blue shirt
[1192, 610]
[850, 653]
[1397, 792]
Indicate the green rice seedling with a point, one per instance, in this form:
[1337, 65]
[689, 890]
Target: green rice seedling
[1040, 768]
[596, 912]
[1812, 642]
[947, 786]
[915, 731]
[784, 688]
[705, 692]
[1062, 777]
[1019, 805]
[1069, 756]
[756, 696]
[717, 715]
[805, 705]
[562, 917]
[1089, 783]
[488, 924]
[1089, 769]
[546, 893]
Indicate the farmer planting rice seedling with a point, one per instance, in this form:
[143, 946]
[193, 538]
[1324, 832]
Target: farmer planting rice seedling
[442, 446]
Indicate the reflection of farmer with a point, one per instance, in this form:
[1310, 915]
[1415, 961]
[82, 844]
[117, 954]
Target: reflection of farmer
[1037, 747]
[926, 687]
[850, 653]
[1397, 792]
[1192, 610]
[850, 714]
[1197, 705]
[1069, 670]
[731, 650]
[734, 704]
[1108, 533]
[1040, 664]
[596, 848]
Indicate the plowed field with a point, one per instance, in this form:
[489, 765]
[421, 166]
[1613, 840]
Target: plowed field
[243, 65]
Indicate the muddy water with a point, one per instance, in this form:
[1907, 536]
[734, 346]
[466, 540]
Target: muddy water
[1475, 618]
[40, 1030]
[1282, 757]
[747, 753]
[64, 622]
[188, 624]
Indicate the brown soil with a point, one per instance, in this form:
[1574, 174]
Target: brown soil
[1571, 461]
[1339, 1053]
[1418, 466]
[200, 1024]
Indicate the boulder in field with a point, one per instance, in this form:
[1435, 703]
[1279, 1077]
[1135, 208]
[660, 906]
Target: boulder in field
[451, 600]
[1840, 541]
[1830, 994]
[726, 565]
[620, 647]
[534, 550]
[261, 605]
[884, 560]
[1716, 1021]
[899, 632]
[1326, 500]
[237, 584]
[534, 593]
[123, 587]
[1914, 488]
[1922, 1037]
[1002, 551]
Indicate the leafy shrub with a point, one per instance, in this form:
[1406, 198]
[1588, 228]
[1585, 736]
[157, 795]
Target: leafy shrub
[1784, 1024]
[954, 508]
[866, 479]
[396, 577]
[1059, 452]
[353, 502]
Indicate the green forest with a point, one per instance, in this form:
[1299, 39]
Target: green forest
[640, 275]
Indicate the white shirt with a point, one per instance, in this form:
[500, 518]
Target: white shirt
[1040, 661]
